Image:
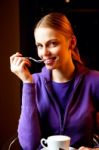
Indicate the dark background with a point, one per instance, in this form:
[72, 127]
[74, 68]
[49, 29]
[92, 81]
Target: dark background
[84, 16]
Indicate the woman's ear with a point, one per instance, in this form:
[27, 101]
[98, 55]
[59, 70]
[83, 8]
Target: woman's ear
[72, 43]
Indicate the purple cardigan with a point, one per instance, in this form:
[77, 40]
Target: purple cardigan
[40, 115]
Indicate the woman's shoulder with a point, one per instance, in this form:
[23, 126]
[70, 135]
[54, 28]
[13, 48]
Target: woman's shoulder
[92, 76]
[93, 73]
[88, 75]
[83, 69]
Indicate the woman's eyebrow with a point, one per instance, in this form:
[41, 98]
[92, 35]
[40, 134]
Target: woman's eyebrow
[51, 40]
[38, 43]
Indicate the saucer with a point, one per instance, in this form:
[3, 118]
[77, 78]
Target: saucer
[70, 148]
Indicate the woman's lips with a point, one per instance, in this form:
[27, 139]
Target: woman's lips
[50, 60]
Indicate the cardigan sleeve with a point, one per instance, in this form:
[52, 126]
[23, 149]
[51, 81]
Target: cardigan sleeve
[29, 133]
[96, 100]
[95, 88]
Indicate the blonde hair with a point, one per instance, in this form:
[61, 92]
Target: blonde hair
[60, 22]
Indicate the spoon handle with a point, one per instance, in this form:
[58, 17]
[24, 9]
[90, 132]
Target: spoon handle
[38, 61]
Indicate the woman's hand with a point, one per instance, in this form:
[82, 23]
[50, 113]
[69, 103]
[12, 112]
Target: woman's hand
[87, 148]
[19, 66]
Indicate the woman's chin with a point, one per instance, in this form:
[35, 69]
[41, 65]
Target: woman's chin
[51, 67]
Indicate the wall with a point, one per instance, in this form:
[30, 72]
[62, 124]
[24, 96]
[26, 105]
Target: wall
[9, 84]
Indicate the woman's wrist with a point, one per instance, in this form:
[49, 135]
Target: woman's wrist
[28, 80]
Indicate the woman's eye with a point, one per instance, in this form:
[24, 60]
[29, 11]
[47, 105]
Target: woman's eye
[53, 44]
[39, 46]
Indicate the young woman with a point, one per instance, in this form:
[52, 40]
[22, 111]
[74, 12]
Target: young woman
[64, 97]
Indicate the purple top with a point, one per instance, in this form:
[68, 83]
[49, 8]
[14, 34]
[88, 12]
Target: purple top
[62, 99]
[41, 115]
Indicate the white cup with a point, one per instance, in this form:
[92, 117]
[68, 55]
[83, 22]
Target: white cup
[56, 142]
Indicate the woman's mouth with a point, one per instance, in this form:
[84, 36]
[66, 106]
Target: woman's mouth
[51, 60]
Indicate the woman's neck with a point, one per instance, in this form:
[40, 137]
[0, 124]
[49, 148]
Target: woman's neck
[64, 73]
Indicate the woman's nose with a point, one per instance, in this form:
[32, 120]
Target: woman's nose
[46, 51]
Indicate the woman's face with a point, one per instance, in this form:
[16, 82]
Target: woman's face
[52, 47]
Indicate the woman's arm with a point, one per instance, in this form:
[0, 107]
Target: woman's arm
[29, 128]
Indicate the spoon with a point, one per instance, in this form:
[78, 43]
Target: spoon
[38, 61]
